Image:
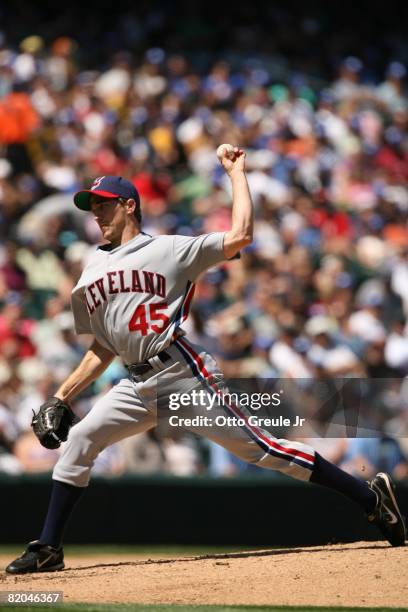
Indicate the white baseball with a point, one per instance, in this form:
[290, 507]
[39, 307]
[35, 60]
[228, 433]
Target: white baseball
[225, 150]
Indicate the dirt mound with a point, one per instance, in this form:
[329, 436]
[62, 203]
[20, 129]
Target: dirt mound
[358, 574]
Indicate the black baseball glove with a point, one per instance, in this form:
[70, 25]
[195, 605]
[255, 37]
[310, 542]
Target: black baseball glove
[52, 422]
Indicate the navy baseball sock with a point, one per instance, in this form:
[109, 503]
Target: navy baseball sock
[329, 475]
[63, 499]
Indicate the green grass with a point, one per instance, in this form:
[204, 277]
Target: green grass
[119, 549]
[189, 608]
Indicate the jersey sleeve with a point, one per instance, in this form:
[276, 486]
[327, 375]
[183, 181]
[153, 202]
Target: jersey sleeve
[80, 312]
[199, 253]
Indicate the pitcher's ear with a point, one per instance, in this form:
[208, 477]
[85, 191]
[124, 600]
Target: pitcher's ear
[129, 204]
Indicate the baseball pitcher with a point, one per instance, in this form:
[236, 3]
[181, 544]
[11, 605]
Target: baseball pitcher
[133, 296]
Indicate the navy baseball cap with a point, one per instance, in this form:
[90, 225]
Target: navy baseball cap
[109, 187]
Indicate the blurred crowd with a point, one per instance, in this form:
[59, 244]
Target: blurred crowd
[323, 290]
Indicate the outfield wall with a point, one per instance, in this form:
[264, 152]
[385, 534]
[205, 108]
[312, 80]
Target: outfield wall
[261, 511]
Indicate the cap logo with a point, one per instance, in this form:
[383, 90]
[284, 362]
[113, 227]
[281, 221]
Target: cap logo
[97, 182]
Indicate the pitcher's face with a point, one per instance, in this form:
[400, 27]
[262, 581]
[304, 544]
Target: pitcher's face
[110, 215]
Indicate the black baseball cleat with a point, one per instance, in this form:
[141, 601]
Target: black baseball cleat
[37, 558]
[386, 514]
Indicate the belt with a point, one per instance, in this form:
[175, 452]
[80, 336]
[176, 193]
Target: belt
[137, 369]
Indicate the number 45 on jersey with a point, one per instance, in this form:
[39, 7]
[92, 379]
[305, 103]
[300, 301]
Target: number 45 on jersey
[147, 315]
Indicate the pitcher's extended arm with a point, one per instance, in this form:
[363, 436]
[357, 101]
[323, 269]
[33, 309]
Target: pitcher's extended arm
[94, 362]
[241, 232]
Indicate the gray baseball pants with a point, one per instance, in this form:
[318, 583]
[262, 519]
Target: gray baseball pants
[135, 405]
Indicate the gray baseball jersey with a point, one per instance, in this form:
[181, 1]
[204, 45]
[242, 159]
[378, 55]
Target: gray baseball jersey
[134, 297]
